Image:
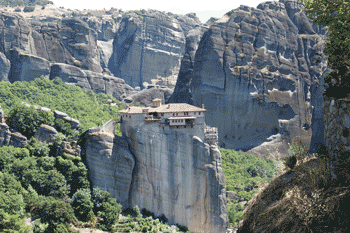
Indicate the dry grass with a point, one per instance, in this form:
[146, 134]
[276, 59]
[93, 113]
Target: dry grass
[305, 199]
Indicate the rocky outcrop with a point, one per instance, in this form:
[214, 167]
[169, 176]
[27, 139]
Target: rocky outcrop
[18, 140]
[187, 22]
[182, 92]
[255, 69]
[73, 122]
[146, 96]
[27, 67]
[110, 163]
[5, 134]
[165, 172]
[5, 66]
[70, 74]
[45, 133]
[146, 45]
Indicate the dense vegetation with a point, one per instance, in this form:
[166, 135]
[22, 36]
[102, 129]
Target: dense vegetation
[335, 15]
[44, 182]
[244, 174]
[14, 3]
[89, 108]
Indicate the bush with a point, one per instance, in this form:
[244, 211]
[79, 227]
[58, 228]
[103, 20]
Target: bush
[163, 218]
[27, 120]
[18, 9]
[38, 149]
[82, 204]
[290, 161]
[28, 9]
[63, 126]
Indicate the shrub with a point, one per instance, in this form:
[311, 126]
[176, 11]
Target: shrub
[27, 120]
[28, 9]
[82, 204]
[290, 161]
[163, 218]
[18, 9]
[63, 126]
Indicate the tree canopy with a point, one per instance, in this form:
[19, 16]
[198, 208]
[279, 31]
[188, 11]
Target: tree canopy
[335, 15]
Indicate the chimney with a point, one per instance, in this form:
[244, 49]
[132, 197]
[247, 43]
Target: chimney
[203, 106]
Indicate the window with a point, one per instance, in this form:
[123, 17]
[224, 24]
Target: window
[176, 114]
[173, 114]
[194, 113]
[199, 113]
[162, 114]
[129, 116]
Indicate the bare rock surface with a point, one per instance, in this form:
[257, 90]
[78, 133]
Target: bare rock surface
[5, 134]
[146, 96]
[146, 45]
[18, 140]
[45, 133]
[166, 172]
[27, 67]
[255, 71]
[110, 164]
[5, 67]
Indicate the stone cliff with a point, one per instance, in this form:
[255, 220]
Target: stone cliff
[255, 71]
[149, 44]
[136, 46]
[166, 172]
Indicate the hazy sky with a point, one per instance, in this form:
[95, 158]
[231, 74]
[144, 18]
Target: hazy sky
[203, 9]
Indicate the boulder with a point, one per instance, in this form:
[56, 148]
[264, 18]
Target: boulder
[73, 122]
[231, 195]
[26, 67]
[5, 66]
[18, 140]
[59, 114]
[5, 135]
[45, 133]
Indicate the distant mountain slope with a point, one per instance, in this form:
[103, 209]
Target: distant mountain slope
[24, 2]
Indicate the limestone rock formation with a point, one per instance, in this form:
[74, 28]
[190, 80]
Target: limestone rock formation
[105, 49]
[187, 22]
[59, 114]
[146, 45]
[5, 134]
[73, 122]
[27, 67]
[182, 92]
[1, 116]
[18, 140]
[146, 96]
[166, 172]
[110, 163]
[5, 66]
[254, 70]
[45, 133]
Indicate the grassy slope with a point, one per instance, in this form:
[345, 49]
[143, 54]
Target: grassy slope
[85, 106]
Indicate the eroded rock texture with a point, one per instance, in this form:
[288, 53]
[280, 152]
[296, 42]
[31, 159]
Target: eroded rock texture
[164, 171]
[148, 45]
[253, 70]
[110, 164]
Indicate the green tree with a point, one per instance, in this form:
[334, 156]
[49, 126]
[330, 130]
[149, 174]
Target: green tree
[27, 120]
[335, 15]
[82, 204]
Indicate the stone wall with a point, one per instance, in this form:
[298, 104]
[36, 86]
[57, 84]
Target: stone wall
[337, 126]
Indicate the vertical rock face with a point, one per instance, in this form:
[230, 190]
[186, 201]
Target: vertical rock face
[179, 176]
[110, 164]
[253, 70]
[5, 66]
[182, 92]
[5, 134]
[147, 45]
[28, 67]
[164, 171]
